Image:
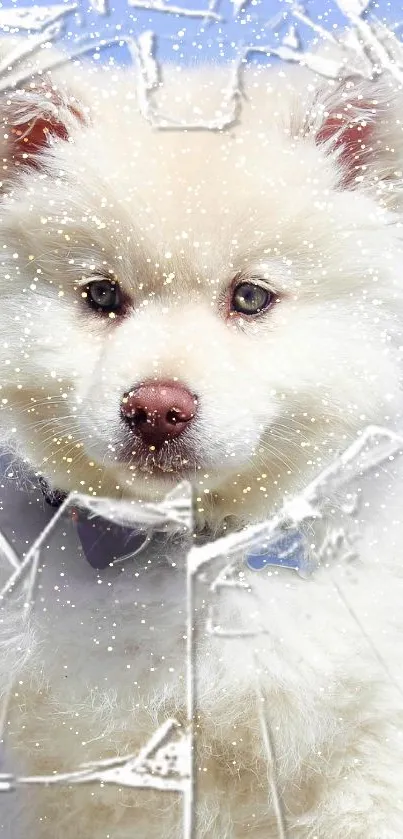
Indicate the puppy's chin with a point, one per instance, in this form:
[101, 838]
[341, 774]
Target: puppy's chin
[215, 495]
[148, 471]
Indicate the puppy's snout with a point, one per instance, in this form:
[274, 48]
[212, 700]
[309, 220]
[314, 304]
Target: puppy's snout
[158, 411]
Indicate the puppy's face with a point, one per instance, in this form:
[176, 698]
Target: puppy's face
[217, 308]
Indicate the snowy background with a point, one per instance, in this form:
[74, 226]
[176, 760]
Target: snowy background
[151, 33]
[190, 30]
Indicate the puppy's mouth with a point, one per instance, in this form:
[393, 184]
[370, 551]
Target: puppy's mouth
[171, 460]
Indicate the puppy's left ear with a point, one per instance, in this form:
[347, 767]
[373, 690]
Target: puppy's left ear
[357, 123]
[32, 120]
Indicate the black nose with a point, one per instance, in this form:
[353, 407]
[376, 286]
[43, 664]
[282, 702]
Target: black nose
[158, 411]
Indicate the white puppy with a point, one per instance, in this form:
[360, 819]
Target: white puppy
[223, 307]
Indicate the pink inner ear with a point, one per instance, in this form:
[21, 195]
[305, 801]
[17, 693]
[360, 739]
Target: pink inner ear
[353, 138]
[29, 138]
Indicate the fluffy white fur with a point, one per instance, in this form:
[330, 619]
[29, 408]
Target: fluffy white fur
[176, 216]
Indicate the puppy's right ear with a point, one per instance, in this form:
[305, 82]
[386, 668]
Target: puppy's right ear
[32, 120]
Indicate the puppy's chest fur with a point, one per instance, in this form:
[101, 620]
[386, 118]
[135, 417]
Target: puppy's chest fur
[107, 666]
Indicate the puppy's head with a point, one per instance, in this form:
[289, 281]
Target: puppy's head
[187, 305]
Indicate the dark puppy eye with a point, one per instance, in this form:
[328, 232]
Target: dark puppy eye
[251, 299]
[104, 295]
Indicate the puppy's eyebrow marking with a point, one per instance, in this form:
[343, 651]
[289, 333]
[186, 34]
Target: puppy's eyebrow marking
[93, 273]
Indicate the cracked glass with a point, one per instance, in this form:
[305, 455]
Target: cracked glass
[156, 676]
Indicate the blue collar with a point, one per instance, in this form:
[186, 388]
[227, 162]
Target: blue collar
[104, 543]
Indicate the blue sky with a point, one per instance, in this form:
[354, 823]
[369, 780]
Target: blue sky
[181, 38]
